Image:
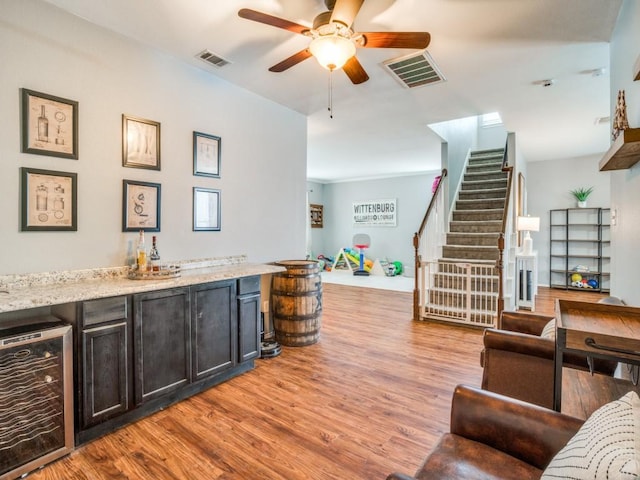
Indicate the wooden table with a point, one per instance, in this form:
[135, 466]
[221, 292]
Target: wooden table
[598, 331]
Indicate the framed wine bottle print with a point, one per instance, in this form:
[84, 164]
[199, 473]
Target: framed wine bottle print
[49, 125]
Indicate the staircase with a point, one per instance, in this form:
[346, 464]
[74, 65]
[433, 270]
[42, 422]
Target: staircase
[464, 281]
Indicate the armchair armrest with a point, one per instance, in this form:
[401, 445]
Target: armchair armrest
[531, 433]
[522, 343]
[531, 323]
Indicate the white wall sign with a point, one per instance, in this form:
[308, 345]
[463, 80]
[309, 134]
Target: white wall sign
[375, 213]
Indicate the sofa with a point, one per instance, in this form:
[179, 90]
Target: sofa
[518, 358]
[495, 437]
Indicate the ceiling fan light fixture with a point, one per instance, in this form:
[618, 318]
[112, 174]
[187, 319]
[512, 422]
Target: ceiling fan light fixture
[332, 51]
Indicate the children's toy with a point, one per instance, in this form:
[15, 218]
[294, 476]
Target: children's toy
[361, 241]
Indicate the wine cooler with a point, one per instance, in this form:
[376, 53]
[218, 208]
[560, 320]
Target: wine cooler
[36, 410]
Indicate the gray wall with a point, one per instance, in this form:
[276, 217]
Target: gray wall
[316, 196]
[412, 194]
[548, 185]
[625, 184]
[263, 147]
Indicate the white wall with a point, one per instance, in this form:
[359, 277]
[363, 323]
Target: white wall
[263, 147]
[548, 185]
[413, 194]
[461, 136]
[625, 184]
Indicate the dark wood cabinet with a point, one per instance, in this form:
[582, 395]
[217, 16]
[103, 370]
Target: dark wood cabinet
[161, 343]
[213, 328]
[248, 318]
[104, 364]
[135, 354]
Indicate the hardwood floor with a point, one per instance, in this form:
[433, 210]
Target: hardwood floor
[371, 397]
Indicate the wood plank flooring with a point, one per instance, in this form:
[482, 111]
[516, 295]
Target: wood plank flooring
[371, 397]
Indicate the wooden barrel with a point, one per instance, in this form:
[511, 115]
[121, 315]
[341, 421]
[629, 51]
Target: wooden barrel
[296, 303]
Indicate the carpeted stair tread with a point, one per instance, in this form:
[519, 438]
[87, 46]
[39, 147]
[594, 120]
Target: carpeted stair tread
[484, 176]
[491, 226]
[483, 184]
[470, 253]
[480, 204]
[489, 193]
[478, 215]
[473, 238]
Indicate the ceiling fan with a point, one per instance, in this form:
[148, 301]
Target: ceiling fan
[334, 41]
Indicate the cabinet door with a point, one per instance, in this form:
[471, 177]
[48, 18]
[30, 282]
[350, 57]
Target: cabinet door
[161, 343]
[213, 328]
[248, 327]
[104, 373]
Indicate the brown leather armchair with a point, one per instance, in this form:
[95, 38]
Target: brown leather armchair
[495, 437]
[519, 363]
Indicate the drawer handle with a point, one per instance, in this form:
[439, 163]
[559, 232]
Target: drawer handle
[590, 342]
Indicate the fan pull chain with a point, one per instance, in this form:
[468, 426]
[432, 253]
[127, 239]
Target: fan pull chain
[330, 94]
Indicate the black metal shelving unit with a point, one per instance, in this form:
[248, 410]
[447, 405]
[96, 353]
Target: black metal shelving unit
[579, 249]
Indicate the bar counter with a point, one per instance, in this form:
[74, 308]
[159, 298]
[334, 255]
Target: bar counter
[26, 291]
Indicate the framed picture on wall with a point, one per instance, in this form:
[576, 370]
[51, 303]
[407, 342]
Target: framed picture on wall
[140, 143]
[140, 206]
[206, 209]
[48, 200]
[49, 125]
[316, 212]
[206, 155]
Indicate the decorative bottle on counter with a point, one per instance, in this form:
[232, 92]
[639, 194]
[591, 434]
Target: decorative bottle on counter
[154, 255]
[141, 253]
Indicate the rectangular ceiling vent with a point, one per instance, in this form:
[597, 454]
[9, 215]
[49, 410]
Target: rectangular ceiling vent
[212, 58]
[415, 70]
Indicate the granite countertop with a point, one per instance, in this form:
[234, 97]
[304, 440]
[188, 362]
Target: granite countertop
[20, 292]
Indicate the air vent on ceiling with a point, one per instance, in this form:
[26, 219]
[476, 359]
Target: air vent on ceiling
[212, 58]
[415, 70]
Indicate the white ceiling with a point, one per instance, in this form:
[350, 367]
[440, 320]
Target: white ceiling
[493, 53]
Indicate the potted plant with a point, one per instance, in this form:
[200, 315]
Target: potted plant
[581, 195]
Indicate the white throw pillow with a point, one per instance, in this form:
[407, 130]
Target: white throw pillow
[549, 330]
[607, 446]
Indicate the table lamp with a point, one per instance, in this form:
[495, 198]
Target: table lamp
[527, 224]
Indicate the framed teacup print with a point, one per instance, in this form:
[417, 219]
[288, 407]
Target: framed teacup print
[48, 200]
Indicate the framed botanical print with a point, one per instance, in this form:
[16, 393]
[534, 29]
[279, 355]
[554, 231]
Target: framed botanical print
[206, 155]
[140, 143]
[49, 125]
[140, 206]
[48, 200]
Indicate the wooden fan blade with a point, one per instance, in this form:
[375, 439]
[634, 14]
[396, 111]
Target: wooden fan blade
[354, 71]
[345, 11]
[273, 21]
[417, 40]
[291, 61]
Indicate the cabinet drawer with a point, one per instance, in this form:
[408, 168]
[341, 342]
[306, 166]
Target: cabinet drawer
[103, 310]
[248, 285]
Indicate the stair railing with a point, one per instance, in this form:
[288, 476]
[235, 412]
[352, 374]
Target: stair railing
[433, 227]
[505, 234]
